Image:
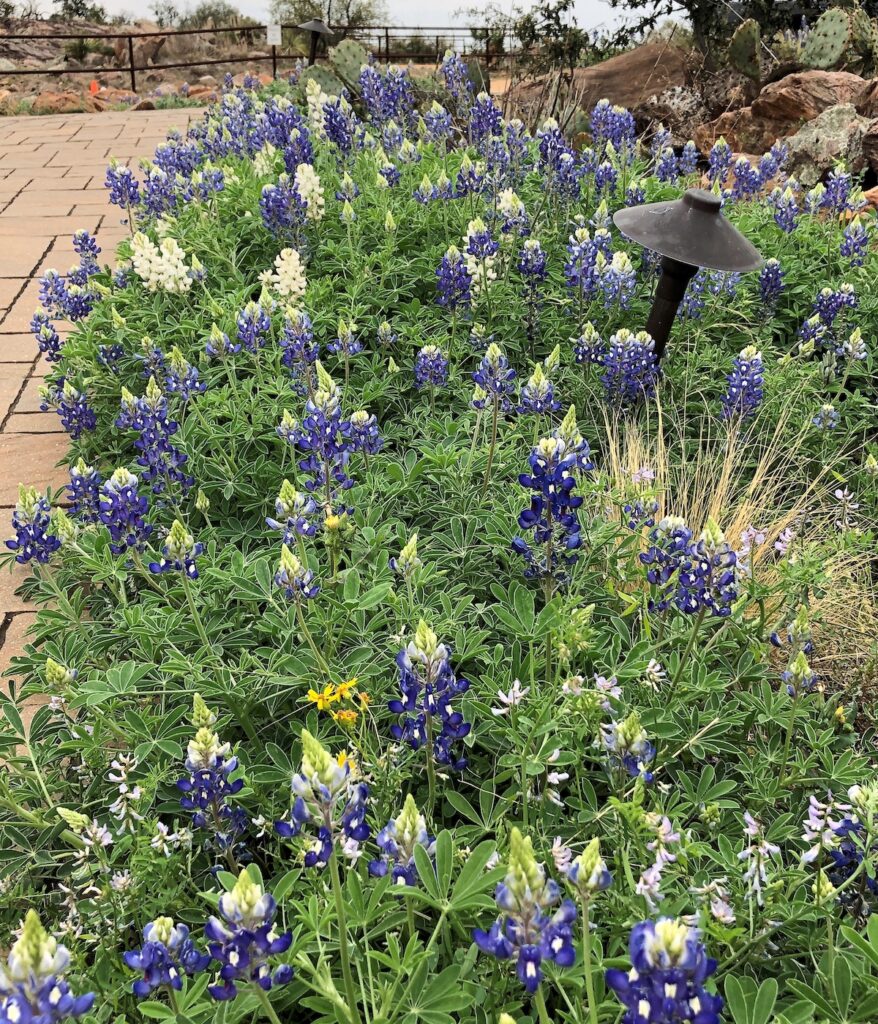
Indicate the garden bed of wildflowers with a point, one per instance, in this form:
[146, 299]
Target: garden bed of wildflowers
[415, 646]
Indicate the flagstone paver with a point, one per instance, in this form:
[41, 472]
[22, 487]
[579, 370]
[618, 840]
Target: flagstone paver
[51, 184]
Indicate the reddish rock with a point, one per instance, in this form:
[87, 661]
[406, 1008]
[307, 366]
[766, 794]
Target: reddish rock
[870, 147]
[744, 132]
[49, 102]
[867, 104]
[144, 104]
[628, 79]
[801, 97]
[202, 92]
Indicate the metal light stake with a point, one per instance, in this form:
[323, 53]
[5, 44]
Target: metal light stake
[316, 28]
[688, 233]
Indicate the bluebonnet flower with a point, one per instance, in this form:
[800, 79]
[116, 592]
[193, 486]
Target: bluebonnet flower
[587, 874]
[756, 857]
[48, 341]
[837, 195]
[325, 796]
[397, 842]
[706, 580]
[349, 190]
[166, 955]
[181, 377]
[219, 345]
[32, 521]
[123, 186]
[122, 511]
[296, 581]
[443, 189]
[669, 543]
[827, 417]
[282, 208]
[386, 334]
[635, 194]
[457, 78]
[485, 119]
[512, 210]
[429, 684]
[532, 267]
[346, 342]
[253, 326]
[628, 746]
[362, 432]
[161, 460]
[798, 635]
[84, 492]
[208, 787]
[798, 677]
[517, 150]
[341, 125]
[68, 297]
[481, 250]
[479, 339]
[576, 445]
[526, 932]
[296, 340]
[667, 169]
[772, 162]
[845, 840]
[71, 405]
[719, 161]
[589, 347]
[580, 269]
[453, 280]
[617, 279]
[630, 368]
[408, 562]
[322, 437]
[606, 177]
[552, 513]
[470, 178]
[855, 242]
[831, 305]
[438, 123]
[177, 157]
[179, 552]
[786, 208]
[389, 175]
[666, 984]
[243, 937]
[748, 180]
[159, 196]
[641, 513]
[771, 284]
[152, 358]
[109, 356]
[495, 376]
[689, 158]
[33, 989]
[88, 250]
[431, 368]
[293, 511]
[660, 141]
[744, 393]
[551, 146]
[425, 192]
[613, 124]
[538, 394]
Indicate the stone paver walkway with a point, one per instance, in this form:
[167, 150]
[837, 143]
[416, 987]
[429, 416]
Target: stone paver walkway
[52, 173]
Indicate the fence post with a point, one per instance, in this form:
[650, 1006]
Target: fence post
[131, 63]
[386, 43]
[273, 61]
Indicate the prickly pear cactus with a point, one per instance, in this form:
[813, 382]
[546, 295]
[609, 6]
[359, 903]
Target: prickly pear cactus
[323, 77]
[864, 41]
[347, 58]
[828, 40]
[744, 49]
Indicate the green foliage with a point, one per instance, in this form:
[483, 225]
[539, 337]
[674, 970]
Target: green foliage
[828, 40]
[347, 59]
[320, 74]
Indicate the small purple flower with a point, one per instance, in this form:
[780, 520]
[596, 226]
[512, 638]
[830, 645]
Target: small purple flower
[32, 521]
[744, 393]
[431, 368]
[166, 955]
[631, 369]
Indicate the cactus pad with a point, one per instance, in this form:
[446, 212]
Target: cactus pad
[828, 40]
[478, 75]
[347, 58]
[323, 77]
[744, 49]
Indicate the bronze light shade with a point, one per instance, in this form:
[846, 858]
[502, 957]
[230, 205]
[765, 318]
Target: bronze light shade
[688, 233]
[316, 29]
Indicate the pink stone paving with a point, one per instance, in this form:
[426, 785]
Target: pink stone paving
[51, 184]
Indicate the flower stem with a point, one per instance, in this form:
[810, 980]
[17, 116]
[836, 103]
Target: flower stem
[310, 641]
[431, 771]
[791, 724]
[196, 618]
[693, 636]
[267, 1008]
[586, 956]
[344, 955]
[540, 1003]
[494, 416]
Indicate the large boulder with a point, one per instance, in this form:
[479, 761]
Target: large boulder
[628, 79]
[743, 131]
[870, 147]
[49, 102]
[867, 103]
[801, 97]
[839, 133]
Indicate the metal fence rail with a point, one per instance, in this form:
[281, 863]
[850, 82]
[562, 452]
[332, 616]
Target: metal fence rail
[385, 41]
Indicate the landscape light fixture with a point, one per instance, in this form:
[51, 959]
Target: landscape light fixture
[688, 233]
[316, 29]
